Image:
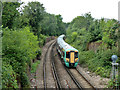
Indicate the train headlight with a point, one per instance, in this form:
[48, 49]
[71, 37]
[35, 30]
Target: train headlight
[76, 59]
[67, 59]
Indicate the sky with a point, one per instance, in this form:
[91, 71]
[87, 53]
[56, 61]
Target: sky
[69, 9]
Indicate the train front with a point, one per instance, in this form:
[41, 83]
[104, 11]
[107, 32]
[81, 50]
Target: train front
[71, 58]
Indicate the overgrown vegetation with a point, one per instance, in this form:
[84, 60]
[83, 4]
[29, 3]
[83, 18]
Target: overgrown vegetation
[114, 83]
[24, 33]
[34, 66]
[96, 41]
[19, 48]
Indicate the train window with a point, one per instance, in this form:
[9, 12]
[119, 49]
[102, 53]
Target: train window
[76, 54]
[67, 54]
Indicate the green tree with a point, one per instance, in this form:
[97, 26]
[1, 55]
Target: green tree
[109, 35]
[20, 22]
[61, 25]
[49, 25]
[9, 13]
[34, 11]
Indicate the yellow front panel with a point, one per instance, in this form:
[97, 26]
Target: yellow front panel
[72, 57]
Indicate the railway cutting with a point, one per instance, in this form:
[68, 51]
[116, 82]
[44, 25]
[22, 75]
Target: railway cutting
[54, 73]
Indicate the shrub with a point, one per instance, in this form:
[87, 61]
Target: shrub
[8, 76]
[101, 64]
[19, 47]
[34, 66]
[85, 56]
[41, 39]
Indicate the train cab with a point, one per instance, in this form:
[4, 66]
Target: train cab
[69, 54]
[72, 58]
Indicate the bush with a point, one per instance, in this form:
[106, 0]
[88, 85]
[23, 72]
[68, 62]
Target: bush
[41, 39]
[114, 83]
[19, 47]
[34, 66]
[102, 71]
[85, 56]
[101, 64]
[8, 76]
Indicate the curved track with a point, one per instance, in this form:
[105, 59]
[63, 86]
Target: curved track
[48, 65]
[58, 76]
[44, 68]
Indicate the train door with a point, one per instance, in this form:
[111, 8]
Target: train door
[72, 57]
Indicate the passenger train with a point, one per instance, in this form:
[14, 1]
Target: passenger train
[69, 54]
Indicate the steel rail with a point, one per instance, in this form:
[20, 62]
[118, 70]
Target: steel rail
[44, 67]
[56, 77]
[74, 79]
[85, 79]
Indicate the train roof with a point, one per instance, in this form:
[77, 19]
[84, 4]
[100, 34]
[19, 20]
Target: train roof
[63, 44]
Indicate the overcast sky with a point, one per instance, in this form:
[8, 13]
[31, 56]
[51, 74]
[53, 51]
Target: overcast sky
[70, 9]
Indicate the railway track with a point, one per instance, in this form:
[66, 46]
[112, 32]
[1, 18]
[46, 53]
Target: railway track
[77, 77]
[44, 68]
[53, 69]
[56, 77]
[73, 78]
[85, 79]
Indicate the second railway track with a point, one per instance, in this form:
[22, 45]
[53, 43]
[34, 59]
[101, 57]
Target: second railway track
[48, 79]
[49, 70]
[56, 77]
[52, 77]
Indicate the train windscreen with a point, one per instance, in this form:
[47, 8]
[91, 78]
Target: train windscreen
[76, 54]
[67, 54]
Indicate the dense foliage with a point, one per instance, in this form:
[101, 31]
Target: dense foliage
[96, 41]
[19, 48]
[24, 33]
[40, 22]
[9, 13]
